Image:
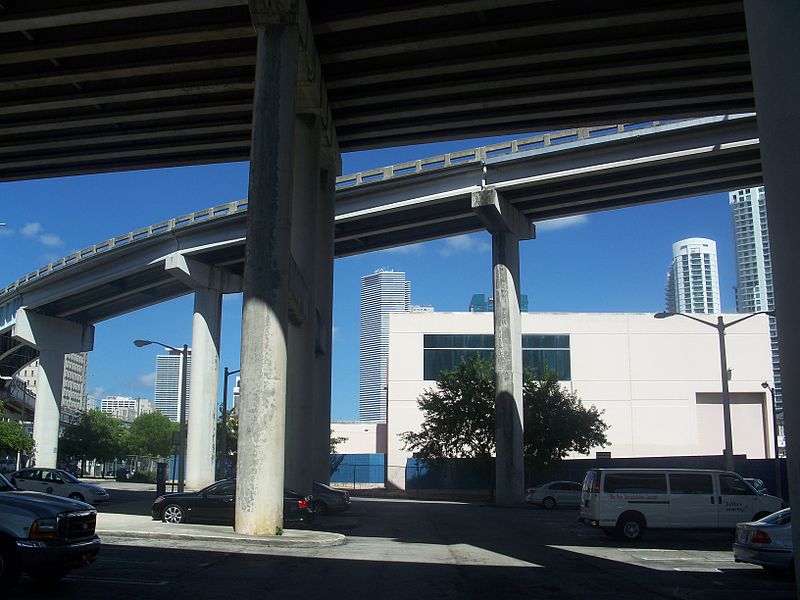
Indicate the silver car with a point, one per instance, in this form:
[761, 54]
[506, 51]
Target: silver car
[59, 483]
[766, 542]
[555, 493]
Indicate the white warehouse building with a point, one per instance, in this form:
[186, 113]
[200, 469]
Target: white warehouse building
[657, 380]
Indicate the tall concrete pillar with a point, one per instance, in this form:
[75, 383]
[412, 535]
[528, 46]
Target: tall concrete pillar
[53, 338]
[300, 379]
[774, 48]
[262, 402]
[323, 321]
[508, 226]
[208, 283]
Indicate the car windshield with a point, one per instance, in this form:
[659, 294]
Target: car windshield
[67, 476]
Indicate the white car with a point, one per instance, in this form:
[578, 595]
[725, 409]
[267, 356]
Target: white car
[555, 493]
[59, 483]
[767, 542]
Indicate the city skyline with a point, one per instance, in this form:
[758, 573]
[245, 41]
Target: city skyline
[575, 264]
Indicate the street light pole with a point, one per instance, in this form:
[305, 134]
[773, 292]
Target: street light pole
[224, 452]
[778, 482]
[721, 326]
[182, 408]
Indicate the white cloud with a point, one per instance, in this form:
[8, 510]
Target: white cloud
[97, 392]
[562, 223]
[31, 229]
[471, 243]
[147, 380]
[334, 332]
[50, 239]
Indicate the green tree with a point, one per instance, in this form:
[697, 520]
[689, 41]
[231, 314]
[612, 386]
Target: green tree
[150, 434]
[557, 423]
[94, 435]
[459, 417]
[336, 458]
[14, 438]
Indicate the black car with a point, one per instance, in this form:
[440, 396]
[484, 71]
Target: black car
[327, 499]
[216, 504]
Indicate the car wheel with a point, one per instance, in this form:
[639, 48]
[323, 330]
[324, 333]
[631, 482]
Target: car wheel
[173, 513]
[549, 503]
[77, 496]
[631, 526]
[9, 568]
[320, 508]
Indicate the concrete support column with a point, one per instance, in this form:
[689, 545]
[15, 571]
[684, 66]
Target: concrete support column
[323, 325]
[774, 44]
[262, 403]
[300, 379]
[53, 338]
[201, 439]
[507, 226]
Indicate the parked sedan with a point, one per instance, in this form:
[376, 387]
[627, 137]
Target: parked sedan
[59, 483]
[216, 504]
[766, 542]
[328, 499]
[555, 493]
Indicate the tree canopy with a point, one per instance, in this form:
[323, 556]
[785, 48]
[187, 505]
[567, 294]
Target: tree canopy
[94, 435]
[14, 438]
[459, 417]
[150, 434]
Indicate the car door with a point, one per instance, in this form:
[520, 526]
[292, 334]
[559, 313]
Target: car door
[52, 483]
[735, 500]
[572, 494]
[217, 504]
[692, 502]
[28, 480]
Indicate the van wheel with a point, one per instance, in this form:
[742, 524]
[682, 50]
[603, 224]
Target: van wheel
[631, 526]
[549, 503]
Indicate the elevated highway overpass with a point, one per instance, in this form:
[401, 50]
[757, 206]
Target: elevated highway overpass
[110, 85]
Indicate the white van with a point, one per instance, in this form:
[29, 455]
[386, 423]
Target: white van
[625, 502]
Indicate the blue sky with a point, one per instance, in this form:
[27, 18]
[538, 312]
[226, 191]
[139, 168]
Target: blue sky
[613, 261]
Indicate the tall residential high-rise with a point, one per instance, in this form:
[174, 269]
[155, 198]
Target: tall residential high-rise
[73, 391]
[169, 381]
[382, 293]
[753, 264]
[693, 277]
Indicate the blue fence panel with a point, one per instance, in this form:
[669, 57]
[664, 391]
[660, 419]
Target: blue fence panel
[358, 469]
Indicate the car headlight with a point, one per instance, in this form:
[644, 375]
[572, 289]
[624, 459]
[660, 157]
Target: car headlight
[44, 529]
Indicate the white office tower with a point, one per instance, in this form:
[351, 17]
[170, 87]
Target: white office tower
[753, 264]
[693, 278]
[382, 293]
[169, 381]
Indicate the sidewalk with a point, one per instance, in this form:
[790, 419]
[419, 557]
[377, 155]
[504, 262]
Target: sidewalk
[144, 527]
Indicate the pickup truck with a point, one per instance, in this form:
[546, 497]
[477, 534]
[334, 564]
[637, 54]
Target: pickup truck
[44, 536]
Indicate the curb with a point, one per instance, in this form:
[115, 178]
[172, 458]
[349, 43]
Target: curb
[287, 540]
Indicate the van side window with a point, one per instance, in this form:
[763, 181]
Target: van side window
[691, 483]
[731, 485]
[635, 483]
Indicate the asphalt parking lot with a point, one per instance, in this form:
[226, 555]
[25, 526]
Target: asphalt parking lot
[402, 549]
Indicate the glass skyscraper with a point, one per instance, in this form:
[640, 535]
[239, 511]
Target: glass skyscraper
[753, 265]
[382, 293]
[169, 380]
[693, 277]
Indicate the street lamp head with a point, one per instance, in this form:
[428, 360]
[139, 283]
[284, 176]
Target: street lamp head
[663, 315]
[141, 343]
[765, 385]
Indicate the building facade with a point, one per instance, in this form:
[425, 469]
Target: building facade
[693, 277]
[657, 380]
[124, 408]
[170, 380]
[382, 293]
[754, 264]
[73, 392]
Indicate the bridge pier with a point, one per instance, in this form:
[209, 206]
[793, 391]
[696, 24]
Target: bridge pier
[773, 42]
[53, 338]
[508, 226]
[209, 284]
